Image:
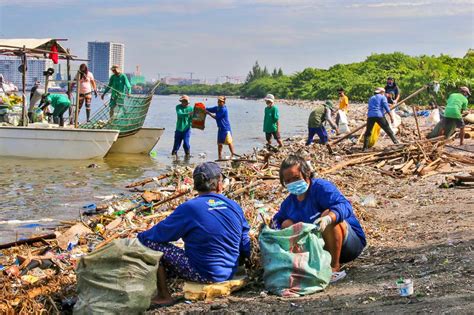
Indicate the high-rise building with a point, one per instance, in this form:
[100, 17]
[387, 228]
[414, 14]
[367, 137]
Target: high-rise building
[34, 70]
[102, 56]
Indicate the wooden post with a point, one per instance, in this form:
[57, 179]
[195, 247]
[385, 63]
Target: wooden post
[24, 115]
[69, 84]
[76, 112]
[400, 103]
[416, 121]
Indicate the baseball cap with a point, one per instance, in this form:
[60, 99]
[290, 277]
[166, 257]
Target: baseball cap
[209, 170]
[115, 67]
[270, 98]
[465, 89]
[379, 90]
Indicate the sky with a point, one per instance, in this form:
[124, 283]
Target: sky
[226, 37]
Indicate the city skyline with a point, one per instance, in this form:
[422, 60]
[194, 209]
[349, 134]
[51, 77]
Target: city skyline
[223, 38]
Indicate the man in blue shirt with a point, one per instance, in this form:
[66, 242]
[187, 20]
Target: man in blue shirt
[214, 231]
[318, 201]
[224, 132]
[378, 107]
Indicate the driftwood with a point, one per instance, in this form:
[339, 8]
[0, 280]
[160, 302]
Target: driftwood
[28, 241]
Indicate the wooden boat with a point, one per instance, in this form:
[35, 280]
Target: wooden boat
[55, 143]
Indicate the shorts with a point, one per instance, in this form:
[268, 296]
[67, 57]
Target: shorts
[352, 246]
[276, 135]
[224, 137]
[176, 263]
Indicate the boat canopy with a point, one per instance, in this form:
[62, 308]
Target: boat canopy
[34, 47]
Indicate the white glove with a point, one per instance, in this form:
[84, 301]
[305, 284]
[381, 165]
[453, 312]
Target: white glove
[323, 222]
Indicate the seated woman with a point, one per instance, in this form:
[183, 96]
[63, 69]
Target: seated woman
[214, 231]
[318, 201]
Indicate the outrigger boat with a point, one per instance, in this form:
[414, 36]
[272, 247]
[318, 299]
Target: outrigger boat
[121, 133]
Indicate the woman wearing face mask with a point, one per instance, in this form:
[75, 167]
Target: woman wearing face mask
[318, 201]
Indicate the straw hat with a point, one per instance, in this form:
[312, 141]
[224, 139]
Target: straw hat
[379, 90]
[184, 98]
[270, 98]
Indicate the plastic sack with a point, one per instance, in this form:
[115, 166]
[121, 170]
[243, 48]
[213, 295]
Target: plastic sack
[433, 118]
[199, 116]
[294, 261]
[374, 136]
[119, 278]
[343, 122]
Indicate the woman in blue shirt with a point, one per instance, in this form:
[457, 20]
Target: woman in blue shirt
[318, 201]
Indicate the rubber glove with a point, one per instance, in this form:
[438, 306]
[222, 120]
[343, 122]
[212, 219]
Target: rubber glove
[323, 222]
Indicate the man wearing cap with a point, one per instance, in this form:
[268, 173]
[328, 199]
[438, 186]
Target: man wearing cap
[120, 87]
[320, 114]
[271, 121]
[456, 104]
[214, 231]
[224, 132]
[182, 133]
[378, 107]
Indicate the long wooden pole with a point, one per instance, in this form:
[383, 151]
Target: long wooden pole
[76, 112]
[69, 85]
[416, 121]
[23, 83]
[400, 103]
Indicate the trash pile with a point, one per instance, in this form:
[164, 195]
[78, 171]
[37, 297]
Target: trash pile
[39, 273]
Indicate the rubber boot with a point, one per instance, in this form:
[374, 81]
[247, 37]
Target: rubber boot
[366, 144]
[88, 114]
[30, 117]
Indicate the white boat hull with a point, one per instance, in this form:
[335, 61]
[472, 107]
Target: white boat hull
[141, 142]
[55, 143]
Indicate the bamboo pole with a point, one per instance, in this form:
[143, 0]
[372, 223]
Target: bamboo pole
[416, 121]
[23, 83]
[69, 85]
[400, 103]
[76, 112]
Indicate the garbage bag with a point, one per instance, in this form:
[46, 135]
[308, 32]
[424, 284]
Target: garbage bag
[119, 278]
[199, 116]
[374, 136]
[295, 262]
[343, 122]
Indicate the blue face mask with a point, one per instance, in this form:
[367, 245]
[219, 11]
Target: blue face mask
[298, 187]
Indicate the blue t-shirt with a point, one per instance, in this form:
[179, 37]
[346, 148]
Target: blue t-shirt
[214, 231]
[378, 106]
[321, 195]
[222, 117]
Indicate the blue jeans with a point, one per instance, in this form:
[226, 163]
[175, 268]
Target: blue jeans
[322, 134]
[182, 136]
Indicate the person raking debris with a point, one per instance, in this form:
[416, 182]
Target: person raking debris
[378, 107]
[453, 116]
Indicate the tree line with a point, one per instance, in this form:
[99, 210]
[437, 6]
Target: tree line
[358, 79]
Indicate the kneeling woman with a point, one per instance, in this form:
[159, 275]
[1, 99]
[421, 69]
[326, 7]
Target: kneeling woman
[318, 201]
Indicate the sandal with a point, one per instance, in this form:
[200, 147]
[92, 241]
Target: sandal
[337, 275]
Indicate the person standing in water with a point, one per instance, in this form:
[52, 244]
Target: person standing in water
[224, 132]
[182, 133]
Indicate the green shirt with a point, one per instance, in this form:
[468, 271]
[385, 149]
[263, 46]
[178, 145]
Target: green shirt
[184, 118]
[457, 102]
[56, 99]
[271, 119]
[118, 83]
[317, 117]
